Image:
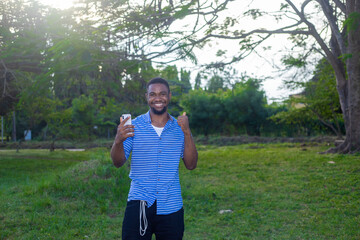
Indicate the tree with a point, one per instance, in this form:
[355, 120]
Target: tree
[320, 97]
[296, 121]
[241, 108]
[205, 111]
[185, 80]
[21, 42]
[340, 46]
[197, 82]
[59, 125]
[35, 106]
[318, 100]
[215, 83]
[277, 127]
[245, 106]
[84, 115]
[70, 54]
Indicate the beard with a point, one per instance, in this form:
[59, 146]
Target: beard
[161, 112]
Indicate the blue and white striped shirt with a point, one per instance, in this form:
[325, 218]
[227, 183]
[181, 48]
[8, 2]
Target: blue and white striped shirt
[155, 164]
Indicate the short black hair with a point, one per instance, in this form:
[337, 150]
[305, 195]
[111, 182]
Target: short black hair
[158, 80]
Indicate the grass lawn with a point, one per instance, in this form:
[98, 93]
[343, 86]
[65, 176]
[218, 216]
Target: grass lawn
[271, 191]
[28, 165]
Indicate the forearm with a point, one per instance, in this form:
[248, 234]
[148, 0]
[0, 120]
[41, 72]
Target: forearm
[190, 152]
[118, 154]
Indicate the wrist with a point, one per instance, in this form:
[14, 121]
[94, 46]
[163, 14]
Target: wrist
[118, 142]
[187, 133]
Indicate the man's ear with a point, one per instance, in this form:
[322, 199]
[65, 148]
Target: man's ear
[169, 96]
[146, 96]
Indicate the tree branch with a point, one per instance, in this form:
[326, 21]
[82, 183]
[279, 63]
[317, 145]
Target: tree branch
[328, 11]
[340, 5]
[323, 121]
[330, 56]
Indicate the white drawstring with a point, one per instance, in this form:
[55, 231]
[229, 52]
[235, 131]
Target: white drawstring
[143, 215]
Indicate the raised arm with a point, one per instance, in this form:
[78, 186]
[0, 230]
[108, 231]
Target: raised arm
[190, 152]
[117, 150]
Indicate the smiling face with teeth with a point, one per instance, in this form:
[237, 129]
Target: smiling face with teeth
[158, 97]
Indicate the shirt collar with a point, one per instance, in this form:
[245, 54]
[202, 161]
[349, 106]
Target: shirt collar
[148, 118]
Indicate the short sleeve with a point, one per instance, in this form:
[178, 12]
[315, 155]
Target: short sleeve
[182, 149]
[128, 146]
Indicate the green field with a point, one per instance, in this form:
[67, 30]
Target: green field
[272, 191]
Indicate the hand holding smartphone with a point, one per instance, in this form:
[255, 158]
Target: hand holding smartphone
[124, 116]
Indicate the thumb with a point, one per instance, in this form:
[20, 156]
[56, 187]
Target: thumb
[121, 119]
[184, 114]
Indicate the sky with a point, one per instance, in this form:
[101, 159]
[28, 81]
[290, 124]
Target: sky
[62, 4]
[263, 66]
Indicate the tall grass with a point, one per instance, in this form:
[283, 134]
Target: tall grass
[272, 191]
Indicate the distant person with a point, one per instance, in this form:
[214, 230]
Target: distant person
[157, 142]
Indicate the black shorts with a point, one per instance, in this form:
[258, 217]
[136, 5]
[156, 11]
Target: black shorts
[164, 227]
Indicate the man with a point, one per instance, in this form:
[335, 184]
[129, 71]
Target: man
[157, 142]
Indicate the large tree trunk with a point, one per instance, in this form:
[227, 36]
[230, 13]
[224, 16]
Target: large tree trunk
[353, 70]
[349, 88]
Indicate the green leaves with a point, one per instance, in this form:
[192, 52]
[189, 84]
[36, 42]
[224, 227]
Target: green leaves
[220, 53]
[254, 13]
[346, 56]
[218, 110]
[284, 6]
[317, 104]
[245, 106]
[205, 111]
[352, 22]
[183, 12]
[291, 61]
[83, 110]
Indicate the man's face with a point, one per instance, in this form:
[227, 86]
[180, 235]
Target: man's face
[158, 98]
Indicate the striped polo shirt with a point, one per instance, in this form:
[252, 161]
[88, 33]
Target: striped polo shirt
[155, 164]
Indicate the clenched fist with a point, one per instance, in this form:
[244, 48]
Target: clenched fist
[123, 132]
[183, 122]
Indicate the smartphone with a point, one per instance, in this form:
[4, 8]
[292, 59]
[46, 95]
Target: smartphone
[124, 116]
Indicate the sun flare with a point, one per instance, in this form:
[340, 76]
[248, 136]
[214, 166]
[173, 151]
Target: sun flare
[62, 4]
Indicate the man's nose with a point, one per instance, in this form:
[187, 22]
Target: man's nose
[157, 97]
